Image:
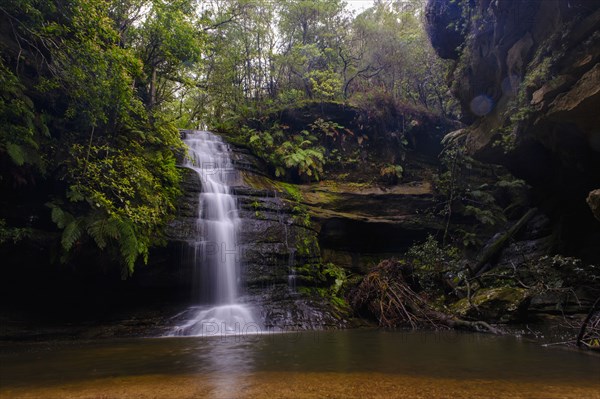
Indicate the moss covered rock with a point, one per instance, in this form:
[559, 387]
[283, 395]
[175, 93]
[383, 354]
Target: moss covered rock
[501, 304]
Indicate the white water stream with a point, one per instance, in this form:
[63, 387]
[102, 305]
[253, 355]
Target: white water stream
[215, 246]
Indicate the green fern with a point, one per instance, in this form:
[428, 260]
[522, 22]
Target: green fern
[60, 217]
[103, 230]
[129, 245]
[71, 234]
[16, 153]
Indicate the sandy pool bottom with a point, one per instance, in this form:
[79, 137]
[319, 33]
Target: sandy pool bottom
[302, 385]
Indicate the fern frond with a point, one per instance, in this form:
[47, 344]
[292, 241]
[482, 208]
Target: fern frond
[16, 153]
[102, 230]
[60, 217]
[71, 234]
[128, 244]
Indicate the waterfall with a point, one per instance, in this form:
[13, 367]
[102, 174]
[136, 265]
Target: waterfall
[215, 246]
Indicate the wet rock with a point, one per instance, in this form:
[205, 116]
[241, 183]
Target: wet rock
[183, 227]
[496, 304]
[283, 257]
[293, 314]
[559, 303]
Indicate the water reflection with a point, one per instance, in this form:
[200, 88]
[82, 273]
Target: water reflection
[226, 365]
[229, 361]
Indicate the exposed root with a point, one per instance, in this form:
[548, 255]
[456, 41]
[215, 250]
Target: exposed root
[385, 294]
[589, 333]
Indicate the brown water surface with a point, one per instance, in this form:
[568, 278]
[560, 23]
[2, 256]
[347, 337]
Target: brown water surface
[340, 364]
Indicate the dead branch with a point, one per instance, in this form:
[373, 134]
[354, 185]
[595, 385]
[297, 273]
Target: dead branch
[495, 247]
[586, 337]
[385, 294]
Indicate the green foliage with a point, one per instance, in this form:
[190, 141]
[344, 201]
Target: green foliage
[329, 282]
[12, 234]
[21, 127]
[298, 152]
[332, 130]
[460, 195]
[257, 213]
[337, 276]
[562, 275]
[104, 231]
[91, 92]
[169, 44]
[391, 173]
[394, 66]
[262, 55]
[435, 266]
[76, 116]
[559, 273]
[519, 110]
[326, 84]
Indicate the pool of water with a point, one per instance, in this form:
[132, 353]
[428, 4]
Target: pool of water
[352, 363]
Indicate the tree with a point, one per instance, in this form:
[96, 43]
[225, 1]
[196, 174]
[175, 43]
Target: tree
[391, 53]
[311, 53]
[77, 124]
[168, 42]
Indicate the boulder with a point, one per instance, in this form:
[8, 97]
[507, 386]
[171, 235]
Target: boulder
[501, 304]
[593, 201]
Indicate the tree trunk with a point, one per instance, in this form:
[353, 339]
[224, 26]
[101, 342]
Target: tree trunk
[496, 246]
[153, 88]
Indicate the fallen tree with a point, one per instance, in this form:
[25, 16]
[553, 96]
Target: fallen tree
[385, 294]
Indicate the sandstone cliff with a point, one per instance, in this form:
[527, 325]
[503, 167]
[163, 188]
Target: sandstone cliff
[527, 75]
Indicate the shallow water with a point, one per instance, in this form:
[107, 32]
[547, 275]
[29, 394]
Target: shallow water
[353, 363]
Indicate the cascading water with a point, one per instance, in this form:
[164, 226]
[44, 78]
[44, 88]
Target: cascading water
[216, 258]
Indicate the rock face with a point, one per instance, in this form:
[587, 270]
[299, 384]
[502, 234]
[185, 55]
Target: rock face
[528, 80]
[593, 201]
[445, 27]
[281, 258]
[292, 235]
[280, 255]
[351, 225]
[358, 227]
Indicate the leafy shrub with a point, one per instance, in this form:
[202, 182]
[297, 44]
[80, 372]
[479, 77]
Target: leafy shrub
[298, 152]
[12, 234]
[390, 174]
[559, 273]
[435, 266]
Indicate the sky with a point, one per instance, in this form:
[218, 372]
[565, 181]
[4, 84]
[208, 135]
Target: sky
[359, 5]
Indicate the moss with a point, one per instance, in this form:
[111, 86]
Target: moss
[359, 186]
[309, 274]
[321, 197]
[257, 213]
[292, 190]
[324, 280]
[259, 182]
[493, 303]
